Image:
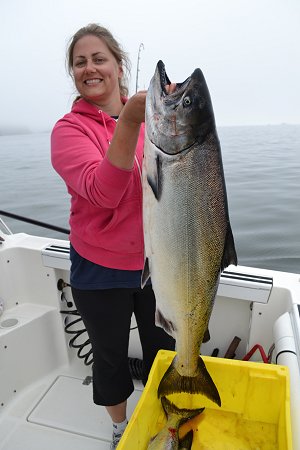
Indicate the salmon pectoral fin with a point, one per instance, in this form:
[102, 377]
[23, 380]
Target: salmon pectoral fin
[202, 383]
[164, 323]
[154, 178]
[145, 273]
[186, 441]
[229, 254]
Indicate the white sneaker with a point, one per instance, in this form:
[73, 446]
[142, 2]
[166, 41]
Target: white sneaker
[116, 437]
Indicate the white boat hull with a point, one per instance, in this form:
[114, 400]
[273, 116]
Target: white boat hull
[43, 401]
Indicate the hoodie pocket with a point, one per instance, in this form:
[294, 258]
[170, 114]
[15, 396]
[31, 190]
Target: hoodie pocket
[123, 233]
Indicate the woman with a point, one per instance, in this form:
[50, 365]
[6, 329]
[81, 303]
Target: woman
[97, 149]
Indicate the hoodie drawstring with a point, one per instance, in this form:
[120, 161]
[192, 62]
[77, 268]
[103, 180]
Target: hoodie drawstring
[104, 123]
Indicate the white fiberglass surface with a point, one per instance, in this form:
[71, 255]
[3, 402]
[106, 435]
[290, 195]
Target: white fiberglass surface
[68, 406]
[64, 417]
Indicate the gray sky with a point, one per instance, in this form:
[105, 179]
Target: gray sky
[248, 50]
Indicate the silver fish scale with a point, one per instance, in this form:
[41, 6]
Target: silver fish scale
[185, 239]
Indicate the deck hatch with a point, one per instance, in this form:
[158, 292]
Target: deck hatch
[67, 406]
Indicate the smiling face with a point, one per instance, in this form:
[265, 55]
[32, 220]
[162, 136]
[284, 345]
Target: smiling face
[96, 71]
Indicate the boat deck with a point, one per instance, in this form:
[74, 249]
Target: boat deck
[58, 413]
[45, 402]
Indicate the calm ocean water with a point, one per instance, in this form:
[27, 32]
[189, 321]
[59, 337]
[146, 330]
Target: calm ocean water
[262, 170]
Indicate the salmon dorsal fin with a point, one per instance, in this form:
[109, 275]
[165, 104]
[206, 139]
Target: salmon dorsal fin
[229, 254]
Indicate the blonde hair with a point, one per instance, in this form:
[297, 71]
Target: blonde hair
[115, 48]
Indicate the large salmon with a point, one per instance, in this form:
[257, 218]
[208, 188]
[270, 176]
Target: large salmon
[188, 237]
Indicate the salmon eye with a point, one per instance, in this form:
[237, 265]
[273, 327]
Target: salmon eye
[187, 101]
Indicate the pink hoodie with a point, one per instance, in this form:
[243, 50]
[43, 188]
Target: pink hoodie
[106, 202]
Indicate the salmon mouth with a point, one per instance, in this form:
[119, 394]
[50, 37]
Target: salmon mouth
[165, 81]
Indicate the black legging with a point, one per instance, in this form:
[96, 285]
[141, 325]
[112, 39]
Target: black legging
[107, 317]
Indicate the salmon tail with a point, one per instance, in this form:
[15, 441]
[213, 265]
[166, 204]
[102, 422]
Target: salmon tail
[184, 413]
[202, 383]
[185, 443]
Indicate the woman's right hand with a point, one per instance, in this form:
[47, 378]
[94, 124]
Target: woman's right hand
[121, 151]
[134, 110]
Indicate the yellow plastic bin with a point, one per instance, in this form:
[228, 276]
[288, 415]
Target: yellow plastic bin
[255, 411]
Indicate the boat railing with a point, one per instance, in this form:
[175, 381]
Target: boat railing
[31, 221]
[5, 227]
